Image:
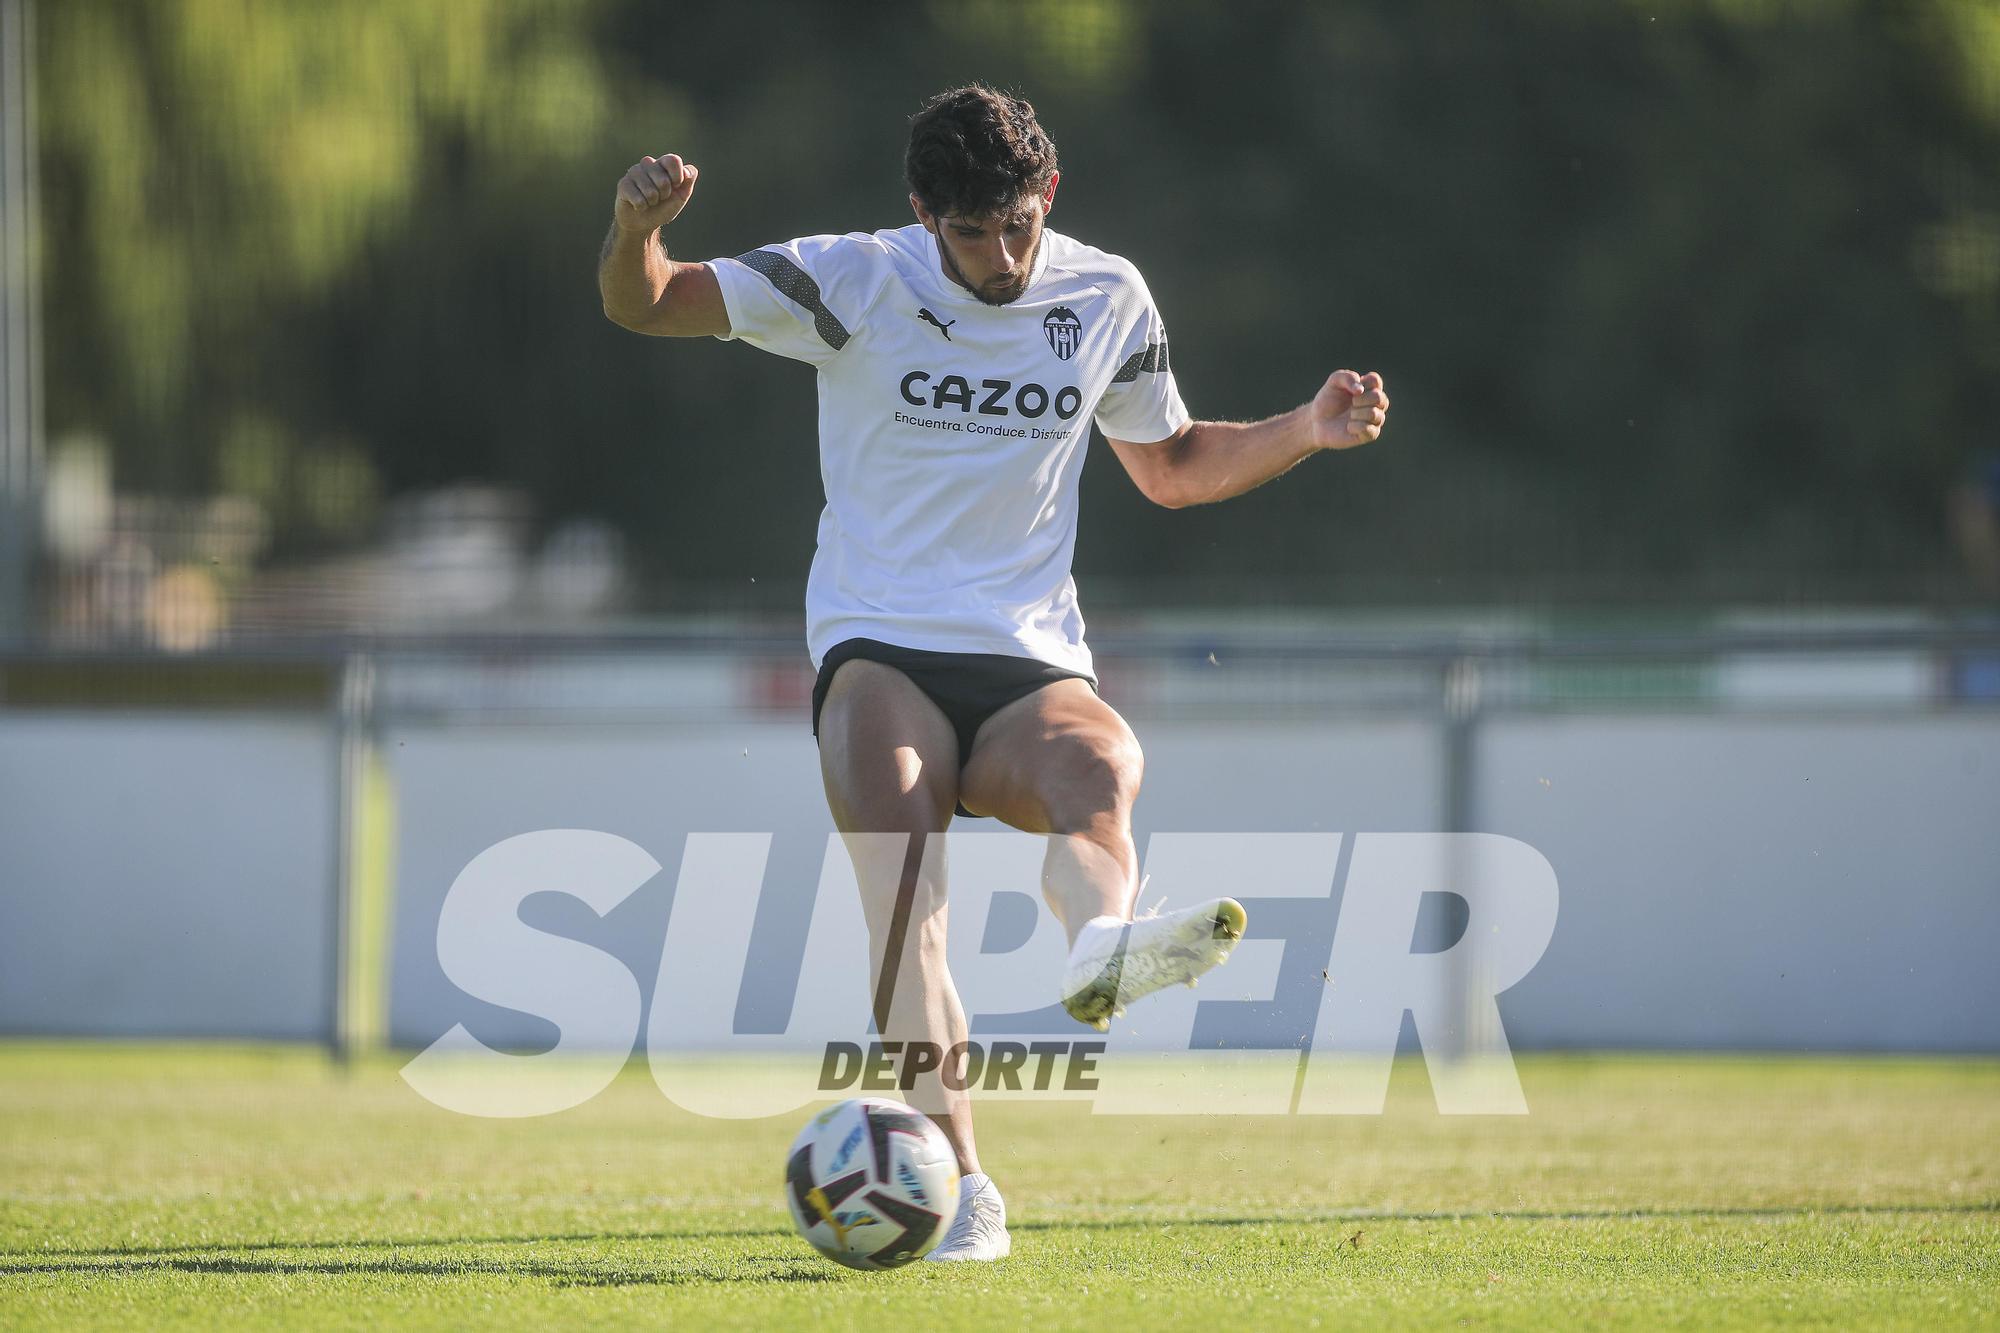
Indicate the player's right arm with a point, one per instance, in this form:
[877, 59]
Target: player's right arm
[643, 288]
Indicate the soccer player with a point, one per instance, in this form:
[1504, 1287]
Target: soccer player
[962, 360]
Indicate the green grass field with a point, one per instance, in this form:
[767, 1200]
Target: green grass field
[150, 1187]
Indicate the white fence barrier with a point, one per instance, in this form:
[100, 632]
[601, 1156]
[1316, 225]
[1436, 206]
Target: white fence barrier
[1762, 875]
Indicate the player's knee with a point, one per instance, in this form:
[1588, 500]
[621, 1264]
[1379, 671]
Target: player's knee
[868, 809]
[901, 879]
[1093, 779]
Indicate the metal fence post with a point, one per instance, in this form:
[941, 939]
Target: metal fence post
[20, 321]
[356, 1023]
[1462, 701]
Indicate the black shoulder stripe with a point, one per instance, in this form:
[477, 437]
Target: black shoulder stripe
[796, 283]
[1153, 360]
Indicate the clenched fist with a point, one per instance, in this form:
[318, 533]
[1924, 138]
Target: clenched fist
[654, 192]
[1349, 410]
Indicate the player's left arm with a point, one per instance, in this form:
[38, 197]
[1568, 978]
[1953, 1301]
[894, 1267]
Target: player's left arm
[1206, 461]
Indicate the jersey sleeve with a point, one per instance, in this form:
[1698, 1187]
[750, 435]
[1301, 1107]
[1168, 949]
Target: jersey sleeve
[1143, 404]
[798, 299]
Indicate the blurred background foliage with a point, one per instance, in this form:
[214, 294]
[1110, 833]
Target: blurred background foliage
[1689, 300]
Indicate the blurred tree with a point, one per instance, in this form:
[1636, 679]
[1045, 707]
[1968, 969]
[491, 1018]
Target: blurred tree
[215, 166]
[1691, 298]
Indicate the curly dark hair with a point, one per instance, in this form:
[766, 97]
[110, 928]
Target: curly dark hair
[975, 151]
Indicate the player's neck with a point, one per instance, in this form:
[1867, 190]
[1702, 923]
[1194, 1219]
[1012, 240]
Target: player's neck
[959, 289]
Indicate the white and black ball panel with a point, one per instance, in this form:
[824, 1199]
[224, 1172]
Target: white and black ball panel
[871, 1183]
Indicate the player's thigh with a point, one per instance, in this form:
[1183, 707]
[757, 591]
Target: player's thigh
[887, 754]
[889, 759]
[1057, 761]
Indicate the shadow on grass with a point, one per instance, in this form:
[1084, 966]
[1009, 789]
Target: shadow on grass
[222, 1263]
[1516, 1215]
[226, 1259]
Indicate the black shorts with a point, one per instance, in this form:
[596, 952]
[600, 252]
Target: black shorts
[967, 687]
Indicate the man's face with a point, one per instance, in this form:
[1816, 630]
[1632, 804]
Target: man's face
[992, 257]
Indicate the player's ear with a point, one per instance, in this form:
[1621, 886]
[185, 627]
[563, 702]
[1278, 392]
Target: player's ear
[923, 214]
[1049, 195]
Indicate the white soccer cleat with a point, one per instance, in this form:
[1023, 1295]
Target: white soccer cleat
[979, 1231]
[1175, 948]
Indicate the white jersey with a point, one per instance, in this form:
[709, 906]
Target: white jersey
[952, 432]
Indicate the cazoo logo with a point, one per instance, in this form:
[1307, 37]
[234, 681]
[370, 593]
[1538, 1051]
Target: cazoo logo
[993, 398]
[1303, 1018]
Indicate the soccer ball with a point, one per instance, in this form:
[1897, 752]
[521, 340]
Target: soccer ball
[871, 1183]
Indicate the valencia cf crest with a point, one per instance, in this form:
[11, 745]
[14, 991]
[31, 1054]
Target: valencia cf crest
[1064, 331]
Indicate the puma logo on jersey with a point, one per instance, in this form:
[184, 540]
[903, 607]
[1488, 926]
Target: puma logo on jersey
[932, 320]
